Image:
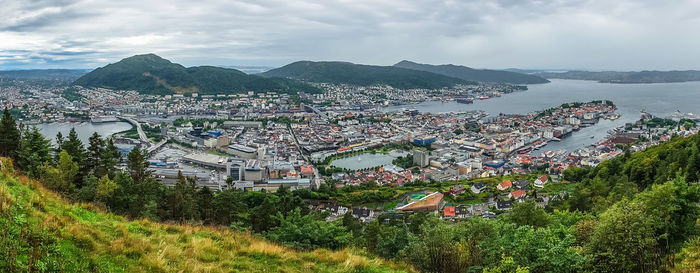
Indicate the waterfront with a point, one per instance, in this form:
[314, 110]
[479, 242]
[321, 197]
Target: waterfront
[661, 99]
[84, 129]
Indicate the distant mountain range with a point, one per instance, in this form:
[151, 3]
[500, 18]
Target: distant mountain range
[152, 74]
[250, 69]
[626, 77]
[358, 74]
[58, 75]
[471, 74]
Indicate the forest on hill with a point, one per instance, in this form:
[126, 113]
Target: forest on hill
[471, 74]
[152, 74]
[363, 75]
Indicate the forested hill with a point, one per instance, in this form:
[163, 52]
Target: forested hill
[471, 74]
[152, 74]
[358, 74]
[41, 232]
[626, 77]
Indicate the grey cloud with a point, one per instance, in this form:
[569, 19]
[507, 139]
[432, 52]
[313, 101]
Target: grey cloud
[592, 34]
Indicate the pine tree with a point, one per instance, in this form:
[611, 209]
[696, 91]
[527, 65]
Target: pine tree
[109, 159]
[59, 143]
[34, 150]
[137, 165]
[204, 202]
[105, 189]
[288, 201]
[87, 192]
[94, 152]
[59, 140]
[263, 216]
[68, 170]
[184, 204]
[74, 147]
[352, 224]
[692, 166]
[9, 136]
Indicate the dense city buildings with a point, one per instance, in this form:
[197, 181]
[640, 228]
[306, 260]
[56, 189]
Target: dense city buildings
[261, 141]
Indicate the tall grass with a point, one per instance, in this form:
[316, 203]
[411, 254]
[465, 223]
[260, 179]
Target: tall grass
[44, 233]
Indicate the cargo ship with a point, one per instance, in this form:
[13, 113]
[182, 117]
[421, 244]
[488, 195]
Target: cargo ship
[464, 100]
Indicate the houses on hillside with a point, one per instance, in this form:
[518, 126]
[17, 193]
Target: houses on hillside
[541, 181]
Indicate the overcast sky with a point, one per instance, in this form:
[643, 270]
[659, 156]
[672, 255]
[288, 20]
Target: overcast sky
[557, 34]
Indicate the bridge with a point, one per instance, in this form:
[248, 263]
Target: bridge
[156, 146]
[315, 110]
[152, 147]
[142, 135]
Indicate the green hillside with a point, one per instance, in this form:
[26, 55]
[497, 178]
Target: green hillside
[471, 74]
[41, 232]
[626, 77]
[357, 74]
[152, 74]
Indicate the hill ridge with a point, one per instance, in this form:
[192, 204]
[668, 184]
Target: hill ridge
[472, 74]
[341, 72]
[152, 74]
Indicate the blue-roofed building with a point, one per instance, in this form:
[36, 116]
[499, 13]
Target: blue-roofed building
[157, 163]
[124, 149]
[495, 164]
[422, 141]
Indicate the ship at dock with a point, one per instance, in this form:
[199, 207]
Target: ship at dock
[464, 100]
[103, 119]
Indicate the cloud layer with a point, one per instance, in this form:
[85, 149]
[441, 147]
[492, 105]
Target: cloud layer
[574, 34]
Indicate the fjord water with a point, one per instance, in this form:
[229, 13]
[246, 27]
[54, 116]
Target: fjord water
[84, 129]
[659, 99]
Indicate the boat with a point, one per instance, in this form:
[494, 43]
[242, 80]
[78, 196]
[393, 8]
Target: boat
[592, 136]
[483, 98]
[539, 144]
[525, 151]
[464, 100]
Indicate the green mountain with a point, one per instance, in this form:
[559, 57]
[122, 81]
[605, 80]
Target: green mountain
[41, 232]
[626, 77]
[152, 74]
[471, 74]
[357, 74]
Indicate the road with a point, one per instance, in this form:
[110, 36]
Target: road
[157, 145]
[317, 176]
[315, 110]
[142, 135]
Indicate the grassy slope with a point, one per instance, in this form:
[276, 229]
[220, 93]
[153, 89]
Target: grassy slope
[80, 238]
